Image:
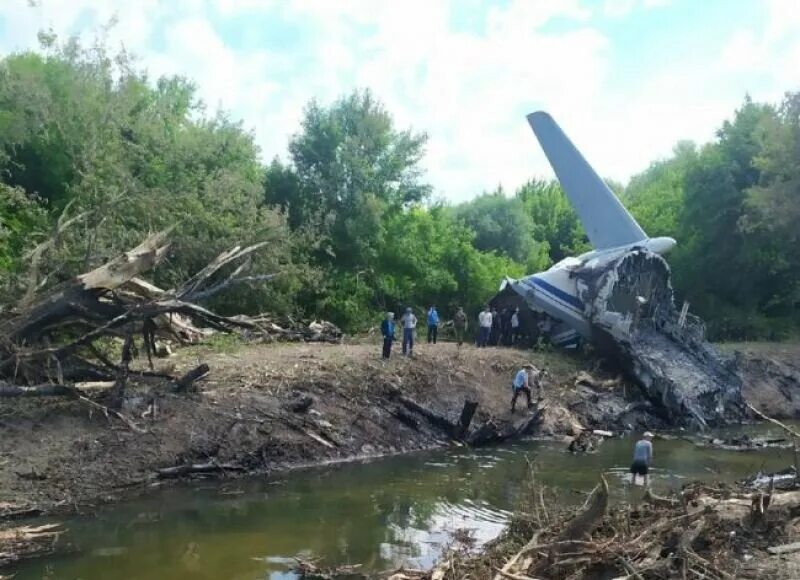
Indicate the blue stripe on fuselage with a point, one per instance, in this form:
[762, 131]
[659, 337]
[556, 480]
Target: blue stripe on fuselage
[559, 293]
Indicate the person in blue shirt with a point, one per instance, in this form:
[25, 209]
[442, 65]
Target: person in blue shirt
[387, 330]
[433, 324]
[643, 457]
[522, 384]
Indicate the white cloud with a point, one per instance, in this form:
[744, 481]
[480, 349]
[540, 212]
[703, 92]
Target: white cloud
[468, 87]
[622, 8]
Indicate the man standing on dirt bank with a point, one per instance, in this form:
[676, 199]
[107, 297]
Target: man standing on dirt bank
[642, 458]
[460, 325]
[484, 326]
[409, 326]
[433, 324]
[522, 384]
[387, 329]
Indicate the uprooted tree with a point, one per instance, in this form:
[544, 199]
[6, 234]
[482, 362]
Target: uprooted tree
[52, 339]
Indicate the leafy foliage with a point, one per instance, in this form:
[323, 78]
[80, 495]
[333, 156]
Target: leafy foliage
[89, 141]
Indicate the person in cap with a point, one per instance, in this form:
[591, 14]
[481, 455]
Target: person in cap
[522, 384]
[387, 330]
[643, 457]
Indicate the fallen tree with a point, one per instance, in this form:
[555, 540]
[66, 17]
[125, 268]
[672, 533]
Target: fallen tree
[56, 337]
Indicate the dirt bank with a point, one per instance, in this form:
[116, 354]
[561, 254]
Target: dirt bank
[770, 374]
[270, 407]
[262, 408]
[265, 408]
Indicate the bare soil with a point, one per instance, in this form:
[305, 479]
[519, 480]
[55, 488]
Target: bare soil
[270, 407]
[770, 375]
[58, 453]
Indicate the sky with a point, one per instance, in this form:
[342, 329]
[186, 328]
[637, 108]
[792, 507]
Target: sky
[626, 79]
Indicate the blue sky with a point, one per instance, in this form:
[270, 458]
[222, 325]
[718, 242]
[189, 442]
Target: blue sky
[626, 79]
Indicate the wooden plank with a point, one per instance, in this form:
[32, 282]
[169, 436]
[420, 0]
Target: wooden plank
[784, 549]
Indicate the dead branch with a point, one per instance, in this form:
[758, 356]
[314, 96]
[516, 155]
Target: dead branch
[186, 382]
[198, 468]
[783, 426]
[48, 338]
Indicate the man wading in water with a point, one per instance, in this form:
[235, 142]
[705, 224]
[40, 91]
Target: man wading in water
[642, 458]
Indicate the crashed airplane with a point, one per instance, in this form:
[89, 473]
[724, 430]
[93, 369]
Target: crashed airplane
[611, 230]
[619, 296]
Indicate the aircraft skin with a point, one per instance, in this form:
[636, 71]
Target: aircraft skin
[611, 230]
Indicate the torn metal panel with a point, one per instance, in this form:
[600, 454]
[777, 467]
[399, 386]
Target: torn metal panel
[629, 311]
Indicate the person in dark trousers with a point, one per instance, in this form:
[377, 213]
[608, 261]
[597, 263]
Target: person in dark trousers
[387, 330]
[460, 325]
[433, 324]
[409, 322]
[505, 327]
[522, 384]
[494, 333]
[643, 457]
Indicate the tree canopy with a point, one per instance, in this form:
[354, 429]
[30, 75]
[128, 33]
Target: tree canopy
[95, 154]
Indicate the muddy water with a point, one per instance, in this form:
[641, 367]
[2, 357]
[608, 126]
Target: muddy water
[384, 513]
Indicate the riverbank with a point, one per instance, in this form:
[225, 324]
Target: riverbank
[262, 408]
[719, 532]
[267, 408]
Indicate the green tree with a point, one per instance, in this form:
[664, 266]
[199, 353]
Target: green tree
[554, 219]
[350, 167]
[87, 129]
[500, 224]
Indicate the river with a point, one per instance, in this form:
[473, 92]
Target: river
[381, 513]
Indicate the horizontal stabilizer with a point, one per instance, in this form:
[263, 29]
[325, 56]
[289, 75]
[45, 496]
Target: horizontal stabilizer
[606, 221]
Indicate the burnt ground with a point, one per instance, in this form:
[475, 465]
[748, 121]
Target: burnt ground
[59, 453]
[265, 408]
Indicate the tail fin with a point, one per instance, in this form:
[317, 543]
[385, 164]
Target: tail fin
[606, 221]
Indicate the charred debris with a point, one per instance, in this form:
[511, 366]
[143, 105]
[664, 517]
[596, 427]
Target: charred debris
[630, 305]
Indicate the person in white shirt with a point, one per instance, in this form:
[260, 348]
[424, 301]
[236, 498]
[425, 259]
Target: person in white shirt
[409, 322]
[484, 326]
[515, 334]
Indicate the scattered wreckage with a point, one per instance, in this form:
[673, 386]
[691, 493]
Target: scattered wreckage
[619, 297]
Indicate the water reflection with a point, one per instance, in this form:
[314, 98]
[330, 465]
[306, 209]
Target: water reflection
[381, 514]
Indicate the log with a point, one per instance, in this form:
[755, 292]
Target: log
[786, 428]
[489, 433]
[406, 418]
[784, 549]
[467, 412]
[195, 468]
[186, 382]
[434, 418]
[595, 509]
[7, 390]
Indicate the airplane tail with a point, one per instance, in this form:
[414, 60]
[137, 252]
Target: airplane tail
[606, 221]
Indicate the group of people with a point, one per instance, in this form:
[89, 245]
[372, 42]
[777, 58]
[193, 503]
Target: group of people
[494, 328]
[408, 324]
